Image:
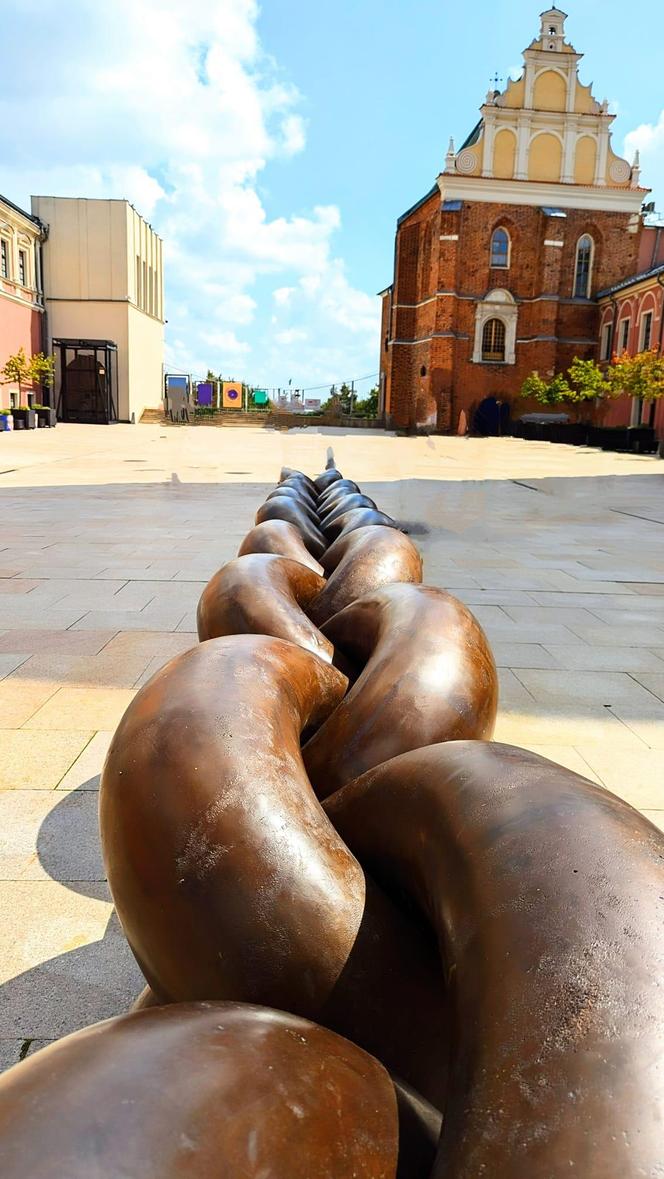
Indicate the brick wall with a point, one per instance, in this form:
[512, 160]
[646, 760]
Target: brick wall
[443, 270]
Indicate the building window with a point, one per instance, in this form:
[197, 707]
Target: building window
[22, 268]
[624, 334]
[646, 331]
[138, 281]
[493, 341]
[584, 265]
[607, 341]
[4, 258]
[500, 249]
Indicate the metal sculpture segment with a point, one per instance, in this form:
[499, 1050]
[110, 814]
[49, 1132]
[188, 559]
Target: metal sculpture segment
[486, 924]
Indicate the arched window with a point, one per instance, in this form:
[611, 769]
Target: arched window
[493, 341]
[500, 250]
[584, 266]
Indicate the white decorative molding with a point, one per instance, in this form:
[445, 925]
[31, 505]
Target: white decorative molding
[449, 237]
[450, 157]
[537, 193]
[558, 245]
[499, 304]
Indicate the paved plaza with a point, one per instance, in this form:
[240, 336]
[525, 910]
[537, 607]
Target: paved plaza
[107, 537]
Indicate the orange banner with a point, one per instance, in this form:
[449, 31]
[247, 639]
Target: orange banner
[231, 395]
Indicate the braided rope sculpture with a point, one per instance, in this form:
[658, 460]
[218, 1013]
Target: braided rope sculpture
[306, 813]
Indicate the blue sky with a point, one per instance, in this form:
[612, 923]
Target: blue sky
[273, 147]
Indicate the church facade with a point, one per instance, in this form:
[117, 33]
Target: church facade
[497, 267]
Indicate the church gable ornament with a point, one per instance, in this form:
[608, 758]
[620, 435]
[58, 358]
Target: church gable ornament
[548, 98]
[466, 162]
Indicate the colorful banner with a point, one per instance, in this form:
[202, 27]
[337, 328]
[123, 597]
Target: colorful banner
[204, 393]
[231, 395]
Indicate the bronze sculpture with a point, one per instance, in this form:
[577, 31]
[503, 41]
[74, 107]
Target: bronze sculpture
[361, 561]
[236, 885]
[199, 1090]
[428, 675]
[262, 594]
[295, 513]
[281, 538]
[359, 518]
[546, 895]
[340, 507]
[536, 1027]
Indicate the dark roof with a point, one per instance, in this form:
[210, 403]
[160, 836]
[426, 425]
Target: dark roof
[418, 204]
[385, 291]
[631, 281]
[17, 209]
[475, 133]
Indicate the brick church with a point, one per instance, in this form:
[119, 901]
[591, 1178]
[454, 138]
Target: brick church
[497, 267]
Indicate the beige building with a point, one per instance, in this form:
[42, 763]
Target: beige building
[104, 286]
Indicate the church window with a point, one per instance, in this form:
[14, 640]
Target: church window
[607, 341]
[583, 273]
[493, 341]
[500, 249]
[624, 339]
[646, 331]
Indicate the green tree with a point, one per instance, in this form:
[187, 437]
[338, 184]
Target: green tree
[640, 376]
[545, 393]
[589, 385]
[42, 370]
[369, 407]
[345, 394]
[16, 371]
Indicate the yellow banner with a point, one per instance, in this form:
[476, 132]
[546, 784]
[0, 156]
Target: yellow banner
[231, 395]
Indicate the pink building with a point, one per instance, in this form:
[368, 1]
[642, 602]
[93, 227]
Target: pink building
[632, 320]
[21, 291]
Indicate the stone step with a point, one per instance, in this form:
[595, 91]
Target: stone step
[232, 418]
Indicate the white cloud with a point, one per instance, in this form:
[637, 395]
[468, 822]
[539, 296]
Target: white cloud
[226, 342]
[175, 105]
[290, 336]
[648, 139]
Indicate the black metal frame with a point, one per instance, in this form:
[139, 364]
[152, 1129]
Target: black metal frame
[94, 400]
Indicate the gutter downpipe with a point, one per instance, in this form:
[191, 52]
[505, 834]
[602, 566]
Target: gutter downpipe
[43, 236]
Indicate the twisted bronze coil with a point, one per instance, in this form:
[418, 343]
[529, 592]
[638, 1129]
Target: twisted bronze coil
[484, 923]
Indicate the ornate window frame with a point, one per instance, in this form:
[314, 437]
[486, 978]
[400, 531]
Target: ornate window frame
[498, 304]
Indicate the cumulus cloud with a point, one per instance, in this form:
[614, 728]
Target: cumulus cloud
[175, 105]
[648, 139]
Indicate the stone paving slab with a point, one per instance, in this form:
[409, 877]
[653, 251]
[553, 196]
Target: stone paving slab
[110, 536]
